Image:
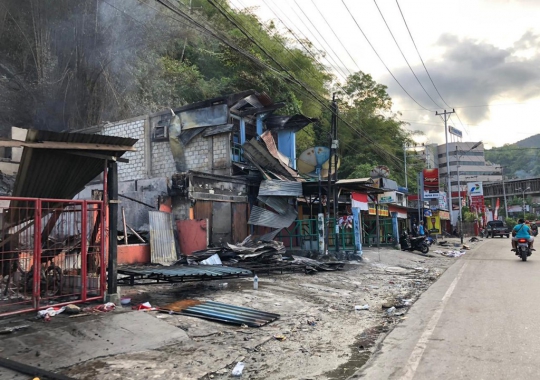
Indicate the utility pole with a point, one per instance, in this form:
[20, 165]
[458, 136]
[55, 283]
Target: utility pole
[334, 151]
[446, 116]
[405, 161]
[330, 161]
[504, 194]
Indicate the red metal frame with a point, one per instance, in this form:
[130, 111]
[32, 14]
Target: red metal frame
[60, 271]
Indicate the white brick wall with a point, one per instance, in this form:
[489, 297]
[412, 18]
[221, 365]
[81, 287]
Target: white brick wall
[134, 128]
[197, 153]
[162, 160]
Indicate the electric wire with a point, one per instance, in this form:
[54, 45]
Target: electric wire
[335, 35]
[361, 134]
[381, 152]
[324, 39]
[403, 54]
[378, 56]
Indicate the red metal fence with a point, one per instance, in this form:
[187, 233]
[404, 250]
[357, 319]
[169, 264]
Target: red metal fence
[51, 253]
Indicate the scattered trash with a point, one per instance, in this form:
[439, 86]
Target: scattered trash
[9, 330]
[361, 307]
[144, 306]
[72, 309]
[212, 260]
[450, 253]
[50, 312]
[311, 322]
[280, 337]
[125, 301]
[238, 368]
[407, 302]
[390, 312]
[474, 239]
[465, 247]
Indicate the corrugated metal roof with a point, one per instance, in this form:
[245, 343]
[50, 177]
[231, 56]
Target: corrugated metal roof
[162, 246]
[262, 217]
[280, 188]
[49, 173]
[280, 204]
[217, 311]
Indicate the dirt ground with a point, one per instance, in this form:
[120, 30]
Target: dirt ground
[325, 338]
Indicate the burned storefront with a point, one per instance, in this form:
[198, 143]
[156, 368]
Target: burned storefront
[203, 163]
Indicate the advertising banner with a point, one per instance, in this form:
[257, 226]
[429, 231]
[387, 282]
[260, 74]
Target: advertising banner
[443, 201]
[475, 188]
[434, 224]
[388, 197]
[431, 183]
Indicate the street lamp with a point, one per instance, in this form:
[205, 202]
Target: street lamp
[523, 198]
[458, 157]
[504, 191]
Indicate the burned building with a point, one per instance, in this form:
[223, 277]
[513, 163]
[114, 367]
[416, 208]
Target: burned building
[194, 160]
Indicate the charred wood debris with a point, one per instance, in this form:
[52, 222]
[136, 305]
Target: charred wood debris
[261, 256]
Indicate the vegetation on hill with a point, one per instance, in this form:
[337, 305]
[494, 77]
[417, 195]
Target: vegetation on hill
[66, 65]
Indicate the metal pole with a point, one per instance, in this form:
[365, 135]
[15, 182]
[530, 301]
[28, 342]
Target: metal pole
[419, 198]
[112, 198]
[405, 161]
[459, 200]
[336, 194]
[447, 160]
[523, 197]
[504, 194]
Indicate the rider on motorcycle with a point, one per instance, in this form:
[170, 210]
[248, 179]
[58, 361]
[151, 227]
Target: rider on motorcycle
[521, 231]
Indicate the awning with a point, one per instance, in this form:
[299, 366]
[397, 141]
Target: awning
[401, 211]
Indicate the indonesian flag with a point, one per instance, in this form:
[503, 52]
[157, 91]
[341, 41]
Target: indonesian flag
[496, 210]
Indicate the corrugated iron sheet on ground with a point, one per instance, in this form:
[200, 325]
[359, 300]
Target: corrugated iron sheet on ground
[237, 315]
[162, 247]
[262, 217]
[190, 271]
[280, 188]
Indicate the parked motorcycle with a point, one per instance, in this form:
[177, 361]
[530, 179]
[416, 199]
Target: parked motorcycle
[409, 243]
[523, 250]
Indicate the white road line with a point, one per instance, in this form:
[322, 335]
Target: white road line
[418, 351]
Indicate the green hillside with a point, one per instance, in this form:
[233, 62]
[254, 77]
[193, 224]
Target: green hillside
[520, 160]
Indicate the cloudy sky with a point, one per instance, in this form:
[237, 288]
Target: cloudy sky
[483, 56]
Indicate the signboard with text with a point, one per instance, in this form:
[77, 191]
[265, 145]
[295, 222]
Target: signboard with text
[431, 183]
[455, 131]
[388, 197]
[475, 188]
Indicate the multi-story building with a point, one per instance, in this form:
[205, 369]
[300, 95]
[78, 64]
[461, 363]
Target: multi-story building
[472, 166]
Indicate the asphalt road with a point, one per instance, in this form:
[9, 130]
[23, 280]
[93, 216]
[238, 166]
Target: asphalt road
[480, 320]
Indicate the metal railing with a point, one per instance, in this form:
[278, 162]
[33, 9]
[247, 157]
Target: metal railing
[303, 234]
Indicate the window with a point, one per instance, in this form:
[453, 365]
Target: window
[160, 128]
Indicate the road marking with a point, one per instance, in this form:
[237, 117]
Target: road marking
[421, 345]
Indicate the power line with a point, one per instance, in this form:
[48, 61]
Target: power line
[378, 56]
[361, 134]
[332, 30]
[327, 44]
[419, 56]
[205, 30]
[403, 55]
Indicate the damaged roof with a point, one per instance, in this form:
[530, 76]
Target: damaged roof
[58, 165]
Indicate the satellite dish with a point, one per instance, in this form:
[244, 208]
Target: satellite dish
[314, 162]
[380, 171]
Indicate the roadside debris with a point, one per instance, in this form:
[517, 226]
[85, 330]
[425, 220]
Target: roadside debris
[9, 330]
[238, 368]
[72, 309]
[390, 312]
[109, 306]
[450, 253]
[50, 312]
[220, 312]
[361, 307]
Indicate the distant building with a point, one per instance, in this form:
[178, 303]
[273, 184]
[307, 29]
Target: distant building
[472, 165]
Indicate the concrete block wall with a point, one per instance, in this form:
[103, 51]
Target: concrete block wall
[199, 154]
[162, 160]
[136, 168]
[222, 146]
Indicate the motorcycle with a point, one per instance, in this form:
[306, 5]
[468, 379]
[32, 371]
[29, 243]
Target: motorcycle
[523, 250]
[409, 243]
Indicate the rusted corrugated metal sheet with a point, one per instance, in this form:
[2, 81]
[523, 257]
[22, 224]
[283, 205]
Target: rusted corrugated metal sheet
[204, 117]
[162, 247]
[262, 217]
[280, 188]
[221, 223]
